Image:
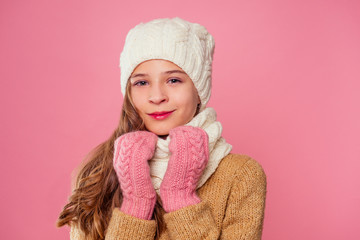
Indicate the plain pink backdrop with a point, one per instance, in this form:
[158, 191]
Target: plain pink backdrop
[285, 87]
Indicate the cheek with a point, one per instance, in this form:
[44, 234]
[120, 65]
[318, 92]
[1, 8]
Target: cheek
[138, 99]
[187, 101]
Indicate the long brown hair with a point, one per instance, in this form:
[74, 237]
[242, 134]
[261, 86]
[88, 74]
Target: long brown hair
[97, 190]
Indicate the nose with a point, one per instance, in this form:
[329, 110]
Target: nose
[158, 95]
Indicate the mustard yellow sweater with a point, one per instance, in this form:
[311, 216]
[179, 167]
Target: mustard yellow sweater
[232, 207]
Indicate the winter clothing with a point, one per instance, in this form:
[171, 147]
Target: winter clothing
[189, 156]
[132, 151]
[218, 148]
[232, 207]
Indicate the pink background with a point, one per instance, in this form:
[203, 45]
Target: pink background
[285, 87]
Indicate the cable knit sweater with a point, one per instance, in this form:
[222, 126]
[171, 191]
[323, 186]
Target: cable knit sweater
[232, 207]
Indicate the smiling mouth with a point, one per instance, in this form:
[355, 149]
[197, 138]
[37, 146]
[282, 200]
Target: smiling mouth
[160, 115]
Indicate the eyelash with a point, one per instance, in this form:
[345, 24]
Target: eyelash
[142, 82]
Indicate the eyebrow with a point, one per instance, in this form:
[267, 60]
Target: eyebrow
[164, 73]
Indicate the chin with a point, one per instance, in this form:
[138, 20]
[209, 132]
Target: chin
[161, 129]
[160, 132]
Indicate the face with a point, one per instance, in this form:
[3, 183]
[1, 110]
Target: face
[163, 94]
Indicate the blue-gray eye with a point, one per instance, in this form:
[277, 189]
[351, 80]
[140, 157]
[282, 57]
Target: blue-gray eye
[140, 83]
[174, 80]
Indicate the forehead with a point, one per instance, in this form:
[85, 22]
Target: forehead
[156, 64]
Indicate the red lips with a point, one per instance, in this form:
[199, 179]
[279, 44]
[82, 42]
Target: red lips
[160, 115]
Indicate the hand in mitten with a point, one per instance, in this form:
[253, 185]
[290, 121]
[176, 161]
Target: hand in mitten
[189, 157]
[131, 155]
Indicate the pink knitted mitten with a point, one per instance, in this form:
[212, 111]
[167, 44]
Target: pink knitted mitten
[189, 157]
[131, 155]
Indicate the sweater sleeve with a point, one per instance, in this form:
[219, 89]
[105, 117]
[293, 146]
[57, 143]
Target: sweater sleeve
[245, 209]
[192, 222]
[75, 233]
[123, 226]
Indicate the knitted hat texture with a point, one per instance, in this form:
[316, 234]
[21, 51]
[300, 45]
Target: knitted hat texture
[188, 45]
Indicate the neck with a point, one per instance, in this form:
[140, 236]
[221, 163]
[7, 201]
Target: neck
[163, 136]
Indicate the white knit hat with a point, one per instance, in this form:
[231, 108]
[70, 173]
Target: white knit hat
[189, 45]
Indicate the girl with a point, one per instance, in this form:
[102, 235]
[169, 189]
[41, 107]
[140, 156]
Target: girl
[166, 172]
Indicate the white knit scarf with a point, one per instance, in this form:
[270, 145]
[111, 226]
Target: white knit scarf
[218, 148]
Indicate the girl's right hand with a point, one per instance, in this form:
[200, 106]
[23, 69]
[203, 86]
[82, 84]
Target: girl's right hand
[131, 154]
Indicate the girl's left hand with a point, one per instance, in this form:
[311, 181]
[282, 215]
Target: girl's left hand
[189, 157]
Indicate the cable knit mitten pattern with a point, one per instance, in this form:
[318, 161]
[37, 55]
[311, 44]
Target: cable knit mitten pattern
[131, 155]
[189, 157]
